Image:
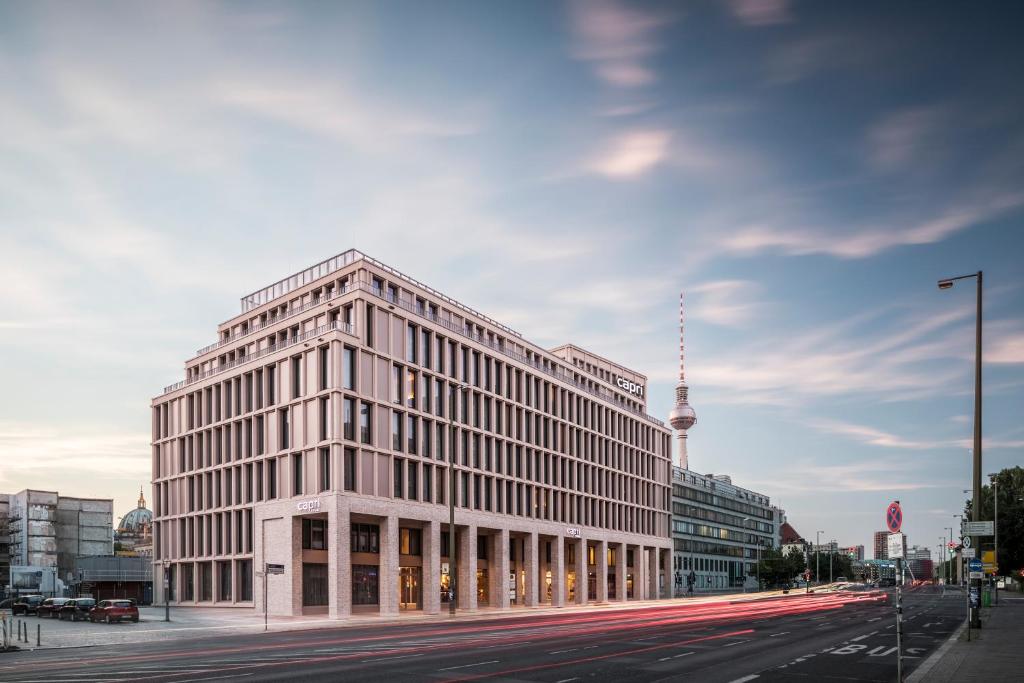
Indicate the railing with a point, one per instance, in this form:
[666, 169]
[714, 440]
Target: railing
[273, 321]
[500, 348]
[348, 328]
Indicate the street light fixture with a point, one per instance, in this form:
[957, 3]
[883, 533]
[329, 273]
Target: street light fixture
[452, 592]
[167, 593]
[947, 283]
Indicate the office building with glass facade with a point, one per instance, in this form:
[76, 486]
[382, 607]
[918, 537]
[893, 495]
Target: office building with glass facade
[718, 531]
[320, 430]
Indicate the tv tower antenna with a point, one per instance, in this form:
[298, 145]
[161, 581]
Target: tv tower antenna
[682, 416]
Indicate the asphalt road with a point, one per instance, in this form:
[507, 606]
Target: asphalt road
[843, 636]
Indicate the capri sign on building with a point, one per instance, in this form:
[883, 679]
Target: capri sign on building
[631, 387]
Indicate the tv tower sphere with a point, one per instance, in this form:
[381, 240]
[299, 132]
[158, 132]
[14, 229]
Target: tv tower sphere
[682, 416]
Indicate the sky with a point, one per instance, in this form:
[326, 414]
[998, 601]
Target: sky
[805, 172]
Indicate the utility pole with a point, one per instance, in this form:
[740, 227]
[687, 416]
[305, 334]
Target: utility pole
[817, 557]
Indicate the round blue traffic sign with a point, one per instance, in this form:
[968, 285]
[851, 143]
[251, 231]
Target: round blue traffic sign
[974, 564]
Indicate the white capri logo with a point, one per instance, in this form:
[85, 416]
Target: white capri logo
[631, 387]
[308, 505]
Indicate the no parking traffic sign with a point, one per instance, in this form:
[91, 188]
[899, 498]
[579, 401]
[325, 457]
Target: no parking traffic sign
[894, 517]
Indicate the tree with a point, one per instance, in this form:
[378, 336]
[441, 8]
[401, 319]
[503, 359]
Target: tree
[841, 565]
[776, 568]
[1011, 519]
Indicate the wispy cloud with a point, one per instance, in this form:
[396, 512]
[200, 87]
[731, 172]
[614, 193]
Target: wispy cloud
[616, 39]
[724, 302]
[761, 12]
[632, 154]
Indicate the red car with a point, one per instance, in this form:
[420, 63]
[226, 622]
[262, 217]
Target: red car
[50, 607]
[114, 610]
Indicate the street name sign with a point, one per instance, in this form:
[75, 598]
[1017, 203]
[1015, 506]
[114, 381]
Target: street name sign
[979, 529]
[967, 553]
[895, 546]
[894, 517]
[275, 568]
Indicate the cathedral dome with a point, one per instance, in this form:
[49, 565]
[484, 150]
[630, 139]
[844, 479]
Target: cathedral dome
[138, 521]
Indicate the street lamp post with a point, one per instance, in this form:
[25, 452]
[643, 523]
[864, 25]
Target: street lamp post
[817, 556]
[949, 569]
[167, 593]
[452, 592]
[976, 479]
[831, 545]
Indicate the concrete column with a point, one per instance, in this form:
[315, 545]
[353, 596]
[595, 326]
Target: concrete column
[640, 574]
[339, 562]
[581, 571]
[557, 568]
[652, 566]
[601, 550]
[620, 572]
[499, 567]
[531, 563]
[292, 569]
[666, 570]
[432, 568]
[388, 571]
[466, 584]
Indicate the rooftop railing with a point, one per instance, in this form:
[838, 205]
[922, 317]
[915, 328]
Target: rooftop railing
[347, 328]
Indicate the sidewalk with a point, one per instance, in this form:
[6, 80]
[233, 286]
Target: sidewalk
[993, 654]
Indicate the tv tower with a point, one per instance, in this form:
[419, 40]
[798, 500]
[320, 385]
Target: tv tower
[682, 416]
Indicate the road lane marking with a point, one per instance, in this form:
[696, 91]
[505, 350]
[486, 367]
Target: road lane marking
[466, 666]
[782, 633]
[738, 642]
[566, 680]
[388, 659]
[746, 678]
[684, 654]
[560, 652]
[875, 619]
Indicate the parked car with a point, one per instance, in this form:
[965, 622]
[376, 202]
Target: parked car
[26, 604]
[50, 607]
[6, 604]
[77, 609]
[114, 610]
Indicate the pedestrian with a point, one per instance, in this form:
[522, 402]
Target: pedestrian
[691, 579]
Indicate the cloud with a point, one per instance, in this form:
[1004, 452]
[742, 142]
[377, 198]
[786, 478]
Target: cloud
[871, 241]
[810, 476]
[873, 436]
[632, 154]
[761, 12]
[724, 302]
[617, 40]
[907, 138]
[1007, 349]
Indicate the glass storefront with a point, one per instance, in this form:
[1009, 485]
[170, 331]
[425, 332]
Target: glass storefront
[570, 584]
[410, 591]
[365, 589]
[482, 590]
[314, 584]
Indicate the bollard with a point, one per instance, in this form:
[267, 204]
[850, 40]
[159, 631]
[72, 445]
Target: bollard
[38, 628]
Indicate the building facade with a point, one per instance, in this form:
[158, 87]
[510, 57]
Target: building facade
[330, 424]
[881, 545]
[48, 531]
[718, 530]
[919, 563]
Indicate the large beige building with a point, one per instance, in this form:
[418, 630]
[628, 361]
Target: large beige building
[317, 433]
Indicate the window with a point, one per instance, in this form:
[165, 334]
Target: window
[399, 467]
[314, 534]
[425, 343]
[282, 421]
[365, 538]
[350, 469]
[365, 579]
[428, 483]
[297, 474]
[349, 418]
[410, 343]
[365, 420]
[325, 469]
[410, 388]
[396, 384]
[296, 376]
[369, 325]
[349, 368]
[409, 541]
[396, 430]
[410, 436]
[413, 480]
[324, 383]
[224, 589]
[272, 478]
[324, 420]
[314, 584]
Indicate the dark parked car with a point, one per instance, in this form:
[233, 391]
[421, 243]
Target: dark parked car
[50, 607]
[26, 604]
[114, 610]
[77, 609]
[6, 604]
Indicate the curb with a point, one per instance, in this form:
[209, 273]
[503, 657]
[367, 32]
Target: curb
[930, 663]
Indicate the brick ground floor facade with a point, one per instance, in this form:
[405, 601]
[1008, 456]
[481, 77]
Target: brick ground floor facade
[344, 554]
